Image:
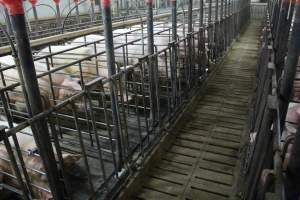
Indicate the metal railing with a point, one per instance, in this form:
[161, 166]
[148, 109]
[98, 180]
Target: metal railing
[271, 153]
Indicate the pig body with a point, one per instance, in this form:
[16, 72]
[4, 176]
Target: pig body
[33, 163]
[292, 121]
[88, 67]
[88, 39]
[63, 85]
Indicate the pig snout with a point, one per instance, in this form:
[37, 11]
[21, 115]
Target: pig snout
[69, 87]
[293, 114]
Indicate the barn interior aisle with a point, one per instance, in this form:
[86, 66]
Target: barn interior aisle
[202, 159]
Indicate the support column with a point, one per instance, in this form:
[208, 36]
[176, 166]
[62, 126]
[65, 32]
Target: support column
[92, 10]
[174, 59]
[39, 128]
[216, 32]
[153, 84]
[33, 4]
[77, 11]
[8, 22]
[190, 43]
[111, 66]
[58, 16]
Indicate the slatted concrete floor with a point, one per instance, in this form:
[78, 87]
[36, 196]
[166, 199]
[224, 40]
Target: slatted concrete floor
[202, 161]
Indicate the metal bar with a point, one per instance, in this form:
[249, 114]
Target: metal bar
[39, 128]
[77, 13]
[74, 34]
[201, 14]
[216, 32]
[151, 64]
[92, 10]
[35, 12]
[109, 46]
[174, 52]
[190, 45]
[290, 67]
[8, 22]
[282, 30]
[58, 14]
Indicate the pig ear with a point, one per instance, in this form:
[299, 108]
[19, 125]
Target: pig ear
[70, 159]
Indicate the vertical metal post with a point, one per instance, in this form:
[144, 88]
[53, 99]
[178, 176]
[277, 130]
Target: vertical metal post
[190, 16]
[35, 13]
[99, 6]
[222, 27]
[77, 11]
[174, 59]
[39, 128]
[174, 19]
[201, 23]
[92, 10]
[216, 33]
[8, 22]
[58, 16]
[290, 66]
[149, 4]
[226, 24]
[110, 59]
[190, 46]
[209, 28]
[282, 31]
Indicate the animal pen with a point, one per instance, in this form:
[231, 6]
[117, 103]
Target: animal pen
[128, 88]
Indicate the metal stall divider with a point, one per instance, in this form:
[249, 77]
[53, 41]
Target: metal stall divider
[40, 130]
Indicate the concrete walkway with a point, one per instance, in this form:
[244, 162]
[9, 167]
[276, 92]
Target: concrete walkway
[202, 161]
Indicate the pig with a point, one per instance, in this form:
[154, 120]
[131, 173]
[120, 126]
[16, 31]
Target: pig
[89, 71]
[32, 162]
[87, 39]
[292, 121]
[63, 85]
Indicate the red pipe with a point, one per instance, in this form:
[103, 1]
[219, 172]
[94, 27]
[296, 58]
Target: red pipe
[149, 1]
[56, 2]
[33, 2]
[14, 7]
[105, 3]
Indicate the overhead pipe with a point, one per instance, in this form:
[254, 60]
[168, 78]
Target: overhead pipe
[39, 128]
[58, 15]
[111, 67]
